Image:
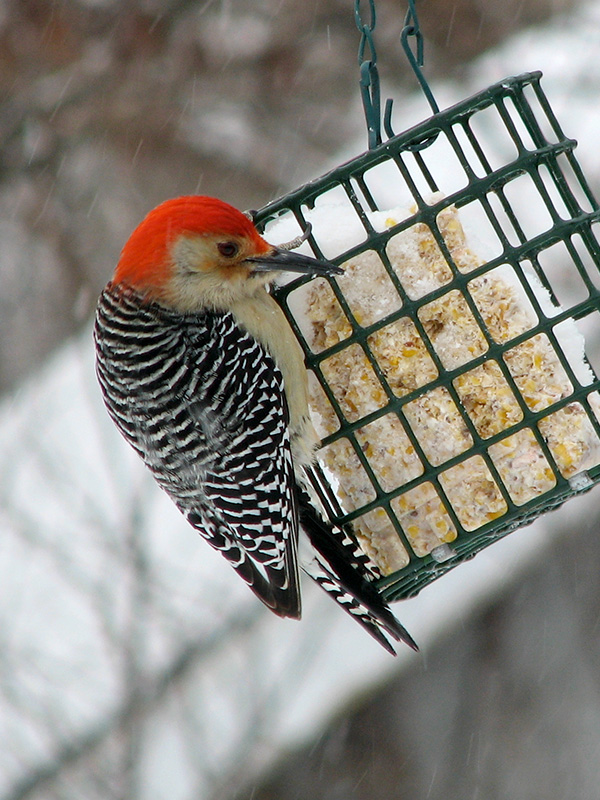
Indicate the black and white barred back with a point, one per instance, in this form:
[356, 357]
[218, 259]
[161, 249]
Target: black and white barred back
[204, 405]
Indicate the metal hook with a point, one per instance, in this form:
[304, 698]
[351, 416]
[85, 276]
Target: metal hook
[411, 28]
[294, 243]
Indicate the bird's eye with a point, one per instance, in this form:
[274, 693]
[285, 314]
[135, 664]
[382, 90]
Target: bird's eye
[228, 249]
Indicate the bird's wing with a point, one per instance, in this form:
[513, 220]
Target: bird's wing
[204, 406]
[237, 401]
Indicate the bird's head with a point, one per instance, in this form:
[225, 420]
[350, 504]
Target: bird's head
[199, 252]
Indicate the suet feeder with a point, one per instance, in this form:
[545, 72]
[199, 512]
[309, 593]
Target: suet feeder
[454, 397]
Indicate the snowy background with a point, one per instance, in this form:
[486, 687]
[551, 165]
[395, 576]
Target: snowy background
[133, 662]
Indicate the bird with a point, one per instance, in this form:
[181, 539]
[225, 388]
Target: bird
[202, 374]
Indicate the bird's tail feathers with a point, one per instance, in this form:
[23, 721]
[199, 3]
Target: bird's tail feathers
[347, 579]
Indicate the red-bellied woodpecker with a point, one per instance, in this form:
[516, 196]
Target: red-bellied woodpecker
[203, 376]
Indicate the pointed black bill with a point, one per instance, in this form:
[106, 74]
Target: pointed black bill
[287, 261]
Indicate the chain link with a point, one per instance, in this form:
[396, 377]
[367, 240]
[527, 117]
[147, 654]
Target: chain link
[369, 74]
[412, 29]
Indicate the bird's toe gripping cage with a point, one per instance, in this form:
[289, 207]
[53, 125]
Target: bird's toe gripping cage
[451, 387]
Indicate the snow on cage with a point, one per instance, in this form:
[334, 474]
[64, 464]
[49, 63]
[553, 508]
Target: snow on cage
[449, 379]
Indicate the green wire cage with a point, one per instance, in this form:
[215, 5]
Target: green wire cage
[480, 405]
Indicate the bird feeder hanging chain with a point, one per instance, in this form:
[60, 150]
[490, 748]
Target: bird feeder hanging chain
[369, 74]
[416, 59]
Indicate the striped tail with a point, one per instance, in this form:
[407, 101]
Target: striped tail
[348, 579]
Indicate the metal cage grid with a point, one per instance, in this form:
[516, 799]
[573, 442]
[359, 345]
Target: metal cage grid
[536, 161]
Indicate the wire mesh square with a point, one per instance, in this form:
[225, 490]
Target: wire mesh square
[448, 375]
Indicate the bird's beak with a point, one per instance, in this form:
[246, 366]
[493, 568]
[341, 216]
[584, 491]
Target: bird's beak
[286, 261]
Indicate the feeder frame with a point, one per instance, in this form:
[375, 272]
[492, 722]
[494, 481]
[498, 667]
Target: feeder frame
[517, 108]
